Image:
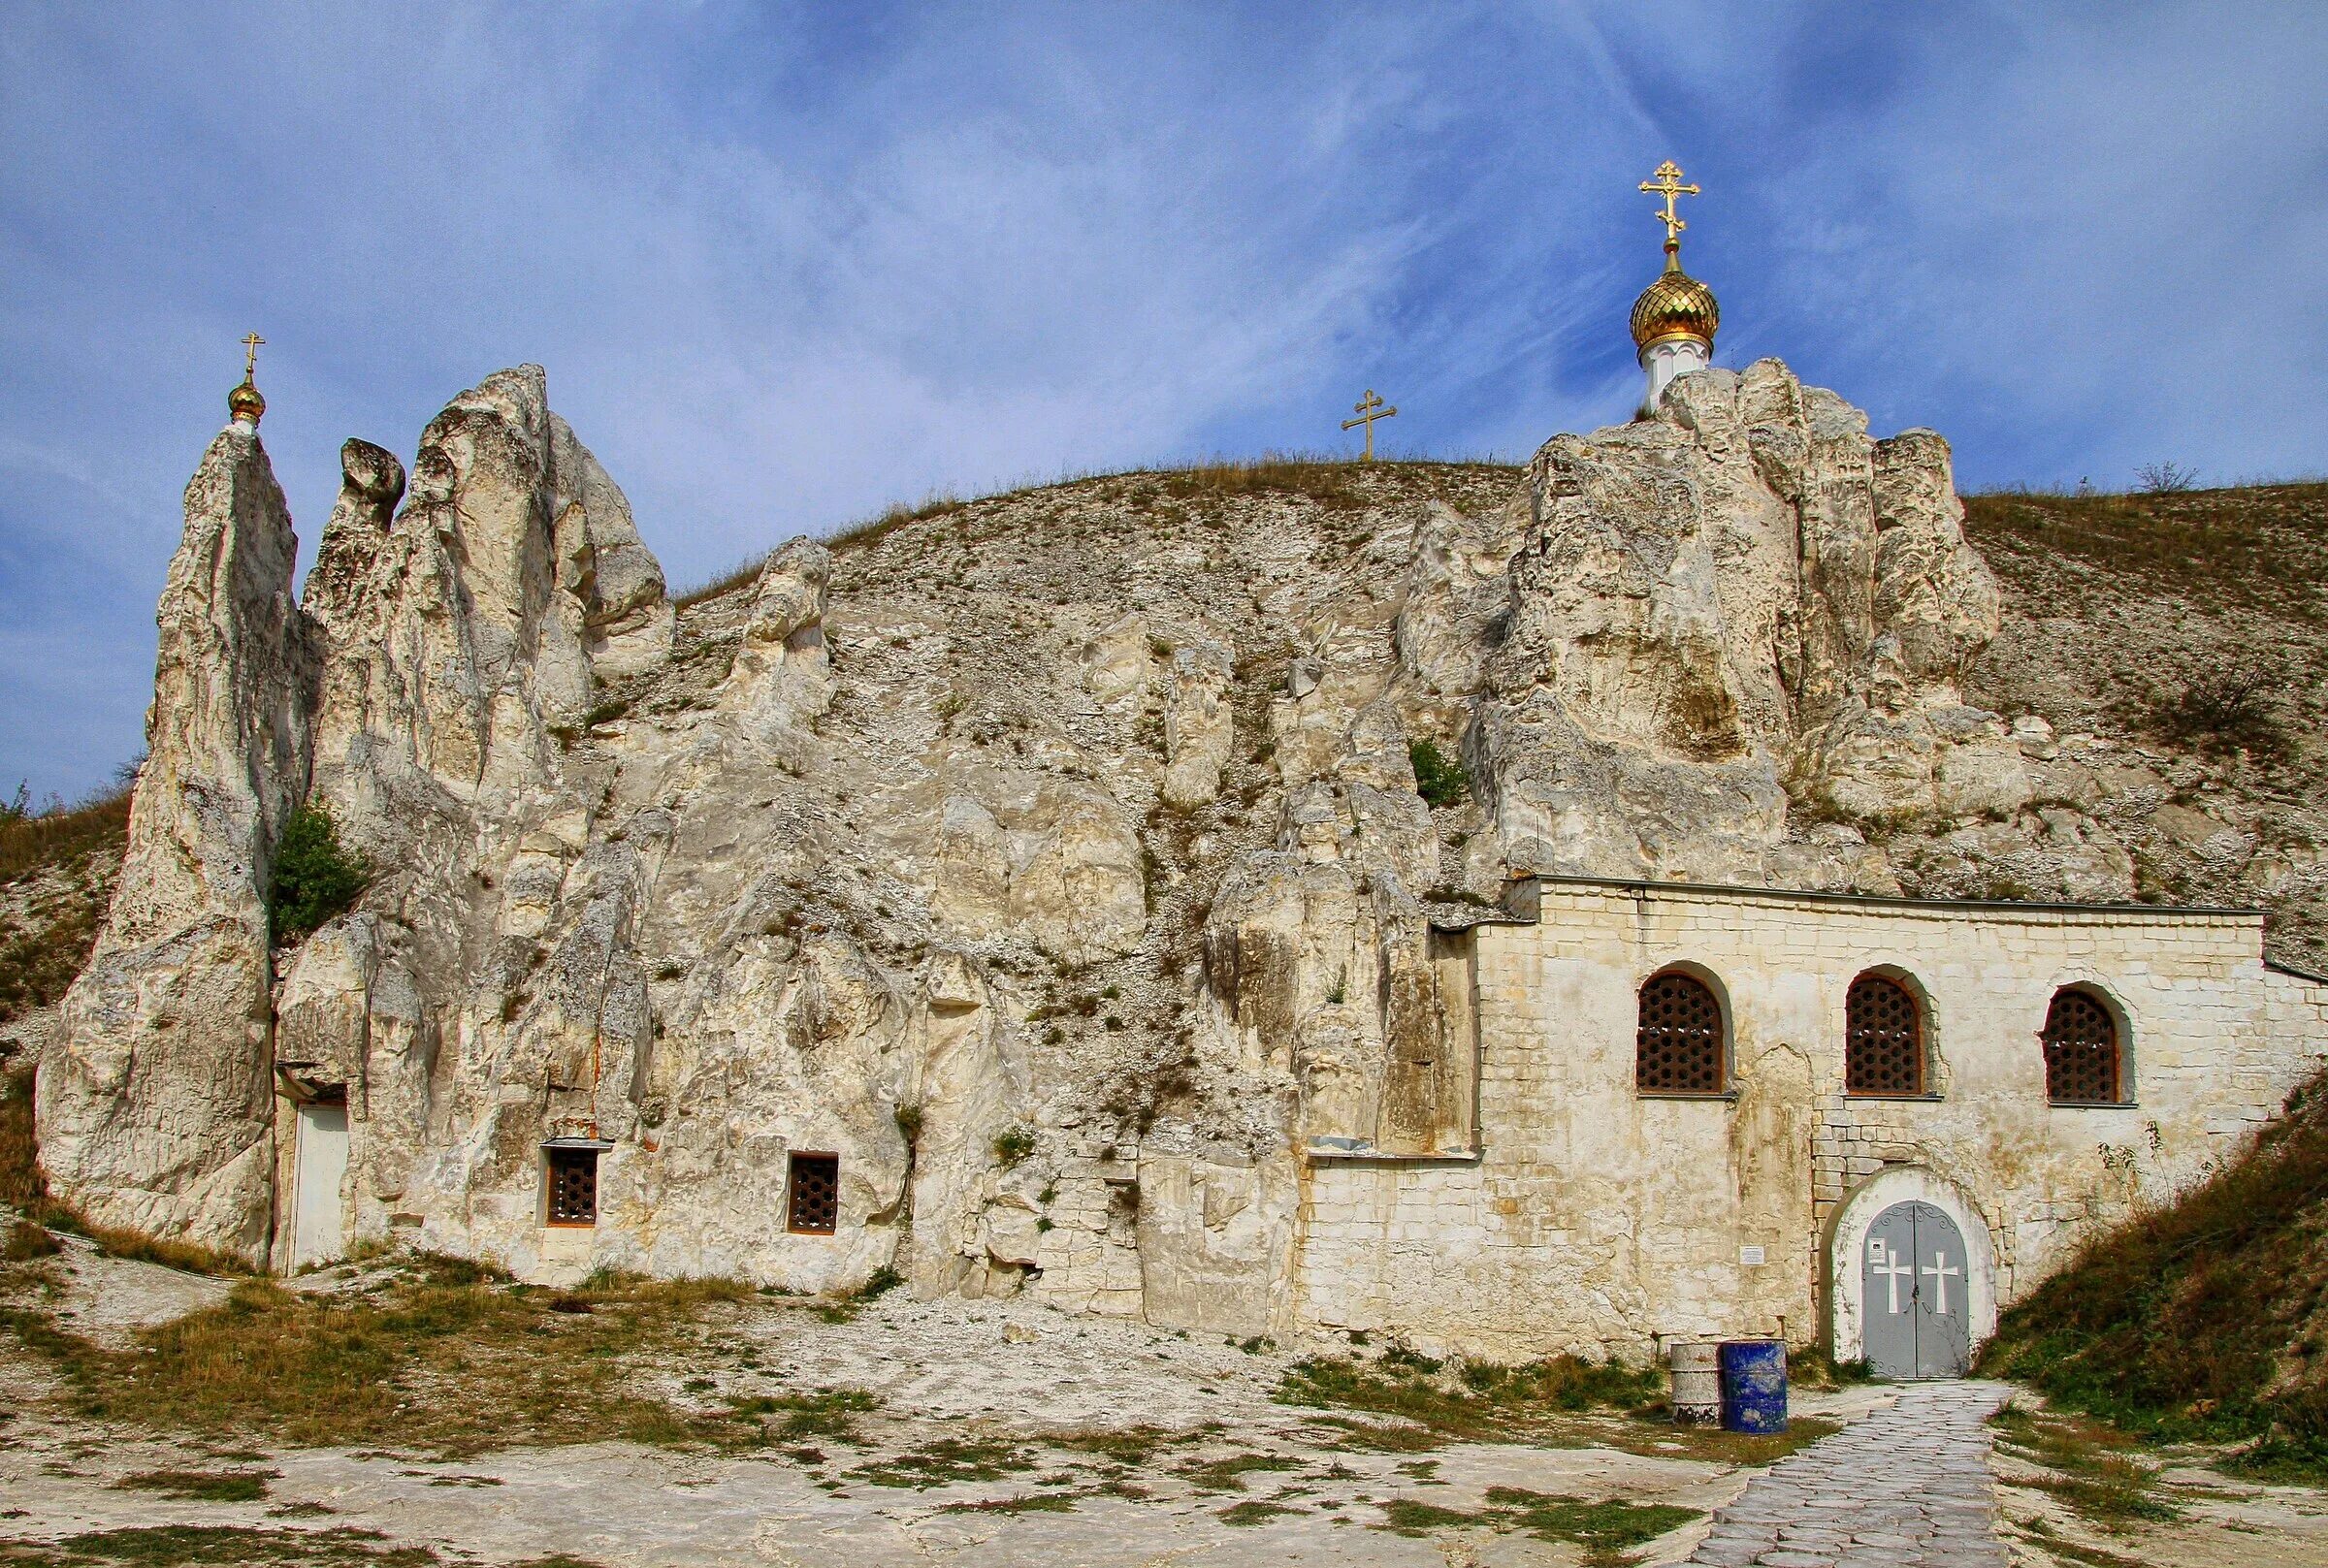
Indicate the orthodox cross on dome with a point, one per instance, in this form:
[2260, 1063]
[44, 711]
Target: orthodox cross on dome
[1666, 183]
[244, 404]
[1369, 408]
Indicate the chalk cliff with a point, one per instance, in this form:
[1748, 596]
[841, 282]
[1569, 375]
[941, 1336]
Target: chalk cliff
[1056, 861]
[156, 1102]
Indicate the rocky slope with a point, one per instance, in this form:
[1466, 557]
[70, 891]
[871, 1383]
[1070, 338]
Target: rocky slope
[2176, 643]
[1055, 859]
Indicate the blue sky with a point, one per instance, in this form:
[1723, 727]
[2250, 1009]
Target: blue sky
[787, 263]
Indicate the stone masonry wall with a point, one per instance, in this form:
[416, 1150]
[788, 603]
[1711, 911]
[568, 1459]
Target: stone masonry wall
[1596, 1220]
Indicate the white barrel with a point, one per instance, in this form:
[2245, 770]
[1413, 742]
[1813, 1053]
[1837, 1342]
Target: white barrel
[1696, 1372]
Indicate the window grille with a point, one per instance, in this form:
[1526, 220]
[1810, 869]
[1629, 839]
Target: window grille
[1883, 1039]
[1678, 1048]
[573, 1186]
[2081, 1051]
[816, 1193]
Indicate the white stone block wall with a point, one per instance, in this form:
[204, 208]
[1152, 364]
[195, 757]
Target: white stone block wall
[1599, 1221]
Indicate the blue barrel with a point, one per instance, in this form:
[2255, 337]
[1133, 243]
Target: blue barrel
[1754, 1385]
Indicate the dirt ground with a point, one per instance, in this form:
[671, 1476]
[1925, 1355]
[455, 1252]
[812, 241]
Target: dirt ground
[967, 1433]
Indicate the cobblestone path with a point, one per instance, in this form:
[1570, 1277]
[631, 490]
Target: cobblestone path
[1902, 1486]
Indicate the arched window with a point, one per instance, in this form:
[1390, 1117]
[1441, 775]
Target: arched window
[1679, 1048]
[2083, 1063]
[1883, 1039]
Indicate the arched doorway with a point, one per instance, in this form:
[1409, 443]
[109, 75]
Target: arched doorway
[1916, 1294]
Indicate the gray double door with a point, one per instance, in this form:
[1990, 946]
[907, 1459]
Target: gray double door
[1916, 1294]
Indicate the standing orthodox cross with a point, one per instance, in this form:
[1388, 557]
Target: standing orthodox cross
[251, 355]
[1369, 408]
[1668, 183]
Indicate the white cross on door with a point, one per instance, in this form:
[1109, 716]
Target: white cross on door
[1941, 1271]
[1893, 1267]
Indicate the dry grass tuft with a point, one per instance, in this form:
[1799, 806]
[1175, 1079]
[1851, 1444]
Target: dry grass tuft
[30, 842]
[444, 1357]
[2259, 547]
[187, 1546]
[42, 947]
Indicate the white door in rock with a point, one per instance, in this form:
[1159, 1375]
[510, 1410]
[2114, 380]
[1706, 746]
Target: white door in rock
[318, 1233]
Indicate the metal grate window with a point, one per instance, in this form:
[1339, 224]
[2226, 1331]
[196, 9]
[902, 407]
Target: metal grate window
[573, 1186]
[2081, 1051]
[1883, 1039]
[1678, 1048]
[814, 1194]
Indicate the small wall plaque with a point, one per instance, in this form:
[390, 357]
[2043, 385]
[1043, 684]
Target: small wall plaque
[1750, 1257]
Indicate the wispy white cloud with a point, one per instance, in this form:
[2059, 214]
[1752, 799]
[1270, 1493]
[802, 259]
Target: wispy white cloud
[787, 263]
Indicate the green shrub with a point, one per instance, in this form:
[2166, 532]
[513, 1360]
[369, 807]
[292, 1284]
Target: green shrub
[880, 1282]
[314, 878]
[1441, 781]
[1014, 1144]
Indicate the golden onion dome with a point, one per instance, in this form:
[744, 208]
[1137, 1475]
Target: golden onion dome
[1675, 305]
[245, 402]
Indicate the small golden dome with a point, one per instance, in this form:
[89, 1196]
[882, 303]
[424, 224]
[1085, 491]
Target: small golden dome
[1675, 305]
[245, 402]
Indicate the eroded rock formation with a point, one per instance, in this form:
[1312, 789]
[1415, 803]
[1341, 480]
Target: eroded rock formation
[1057, 864]
[157, 1103]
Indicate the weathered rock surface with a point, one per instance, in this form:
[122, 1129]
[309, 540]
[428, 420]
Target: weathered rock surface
[1055, 861]
[156, 1101]
[1739, 607]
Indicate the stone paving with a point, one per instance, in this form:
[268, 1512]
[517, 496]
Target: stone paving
[1905, 1486]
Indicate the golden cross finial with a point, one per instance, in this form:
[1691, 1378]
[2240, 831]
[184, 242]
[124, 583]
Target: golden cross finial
[251, 355]
[1369, 408]
[1666, 183]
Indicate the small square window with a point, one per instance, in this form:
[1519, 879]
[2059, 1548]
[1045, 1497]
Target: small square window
[815, 1200]
[573, 1186]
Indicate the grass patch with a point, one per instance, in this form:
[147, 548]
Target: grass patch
[1031, 1502]
[2256, 547]
[203, 1486]
[1603, 1530]
[30, 840]
[1132, 1447]
[944, 1463]
[1252, 1510]
[188, 1546]
[1480, 1399]
[1408, 1516]
[845, 1308]
[825, 1413]
[1715, 1445]
[445, 1358]
[1228, 1473]
[1810, 1367]
[2092, 1472]
[45, 947]
[1347, 1436]
[727, 581]
[2204, 1321]
[27, 1241]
